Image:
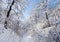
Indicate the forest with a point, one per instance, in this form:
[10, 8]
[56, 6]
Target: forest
[29, 20]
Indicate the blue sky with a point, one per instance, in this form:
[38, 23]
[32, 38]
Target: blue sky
[52, 3]
[31, 6]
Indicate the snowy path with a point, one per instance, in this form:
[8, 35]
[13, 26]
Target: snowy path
[9, 36]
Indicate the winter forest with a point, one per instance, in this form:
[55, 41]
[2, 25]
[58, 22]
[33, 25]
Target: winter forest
[29, 20]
